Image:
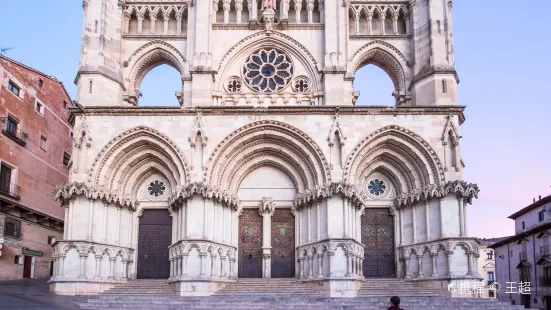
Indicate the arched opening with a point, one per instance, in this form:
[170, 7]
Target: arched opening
[159, 87]
[375, 87]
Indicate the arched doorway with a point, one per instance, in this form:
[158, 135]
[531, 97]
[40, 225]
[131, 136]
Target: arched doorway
[266, 181]
[378, 238]
[154, 238]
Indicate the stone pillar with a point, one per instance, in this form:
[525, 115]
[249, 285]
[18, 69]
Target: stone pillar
[184, 265]
[310, 266]
[127, 19]
[171, 261]
[434, 269]
[178, 265]
[152, 19]
[266, 209]
[461, 218]
[470, 263]
[357, 22]
[71, 222]
[406, 261]
[118, 226]
[111, 268]
[66, 228]
[232, 262]
[320, 265]
[442, 234]
[97, 276]
[90, 219]
[166, 19]
[223, 267]
[130, 227]
[322, 11]
[369, 19]
[395, 22]
[382, 22]
[125, 269]
[310, 8]
[465, 222]
[178, 23]
[448, 262]
[301, 267]
[298, 7]
[427, 220]
[202, 256]
[140, 17]
[346, 224]
[414, 224]
[212, 259]
[348, 265]
[318, 220]
[309, 223]
[104, 224]
[226, 7]
[420, 266]
[238, 9]
[408, 27]
[82, 274]
[330, 258]
[401, 218]
[61, 272]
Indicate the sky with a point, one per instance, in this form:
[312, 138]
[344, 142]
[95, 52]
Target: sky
[502, 50]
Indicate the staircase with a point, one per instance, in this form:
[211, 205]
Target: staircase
[268, 294]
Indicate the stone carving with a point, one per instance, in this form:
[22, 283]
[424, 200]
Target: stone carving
[319, 193]
[462, 189]
[266, 206]
[65, 193]
[353, 250]
[187, 191]
[198, 130]
[268, 5]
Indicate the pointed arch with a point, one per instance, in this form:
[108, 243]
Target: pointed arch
[267, 142]
[385, 56]
[277, 39]
[133, 153]
[414, 163]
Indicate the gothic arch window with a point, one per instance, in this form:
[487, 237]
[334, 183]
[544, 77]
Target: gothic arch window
[159, 86]
[156, 188]
[268, 70]
[374, 86]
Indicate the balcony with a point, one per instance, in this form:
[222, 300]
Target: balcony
[545, 281]
[544, 251]
[522, 256]
[10, 189]
[17, 135]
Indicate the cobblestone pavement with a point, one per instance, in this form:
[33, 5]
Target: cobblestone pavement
[32, 294]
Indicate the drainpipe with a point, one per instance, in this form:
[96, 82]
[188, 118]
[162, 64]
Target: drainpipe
[509, 264]
[535, 266]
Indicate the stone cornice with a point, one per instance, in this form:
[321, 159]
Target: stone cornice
[65, 193]
[462, 189]
[276, 110]
[189, 190]
[322, 192]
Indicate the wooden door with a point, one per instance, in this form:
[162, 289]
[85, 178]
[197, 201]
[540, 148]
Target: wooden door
[378, 238]
[27, 267]
[155, 236]
[283, 244]
[250, 244]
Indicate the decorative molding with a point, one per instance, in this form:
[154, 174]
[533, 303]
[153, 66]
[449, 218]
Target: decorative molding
[461, 189]
[187, 191]
[70, 191]
[60, 249]
[322, 192]
[266, 206]
[198, 130]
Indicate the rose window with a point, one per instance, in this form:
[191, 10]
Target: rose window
[234, 84]
[376, 187]
[156, 188]
[268, 70]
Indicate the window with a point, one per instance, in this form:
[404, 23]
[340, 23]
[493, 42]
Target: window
[444, 87]
[523, 225]
[12, 228]
[66, 159]
[14, 88]
[491, 278]
[51, 240]
[490, 255]
[5, 179]
[90, 87]
[541, 215]
[40, 83]
[11, 125]
[43, 141]
[491, 293]
[39, 107]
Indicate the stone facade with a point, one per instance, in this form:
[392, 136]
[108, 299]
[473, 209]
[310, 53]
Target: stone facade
[35, 150]
[267, 121]
[525, 257]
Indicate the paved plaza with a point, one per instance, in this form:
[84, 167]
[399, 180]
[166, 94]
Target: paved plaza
[32, 294]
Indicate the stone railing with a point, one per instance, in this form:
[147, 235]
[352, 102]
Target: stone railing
[325, 259]
[84, 249]
[189, 260]
[444, 248]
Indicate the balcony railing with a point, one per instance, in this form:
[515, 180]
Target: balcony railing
[522, 256]
[10, 189]
[17, 135]
[544, 250]
[545, 281]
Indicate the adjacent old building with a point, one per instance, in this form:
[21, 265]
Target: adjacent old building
[35, 153]
[525, 258]
[268, 169]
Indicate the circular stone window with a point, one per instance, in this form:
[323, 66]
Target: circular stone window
[376, 187]
[156, 188]
[234, 84]
[268, 70]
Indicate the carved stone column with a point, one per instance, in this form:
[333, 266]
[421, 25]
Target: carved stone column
[434, 269]
[310, 266]
[330, 256]
[357, 22]
[461, 217]
[310, 8]
[408, 27]
[266, 209]
[82, 274]
[395, 22]
[178, 23]
[61, 272]
[382, 23]
[406, 261]
[166, 19]
[427, 220]
[223, 267]
[470, 263]
[97, 276]
[203, 256]
[127, 18]
[320, 265]
[298, 7]
[448, 262]
[232, 262]
[125, 269]
[212, 260]
[104, 224]
[348, 265]
[226, 5]
[238, 9]
[369, 19]
[420, 273]
[90, 219]
[301, 267]
[118, 226]
[152, 19]
[184, 265]
[140, 17]
[111, 268]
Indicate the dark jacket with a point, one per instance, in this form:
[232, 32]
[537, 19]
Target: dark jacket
[394, 308]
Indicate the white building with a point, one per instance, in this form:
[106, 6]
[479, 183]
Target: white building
[267, 169]
[525, 257]
[487, 266]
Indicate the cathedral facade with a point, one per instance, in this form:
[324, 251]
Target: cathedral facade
[267, 169]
